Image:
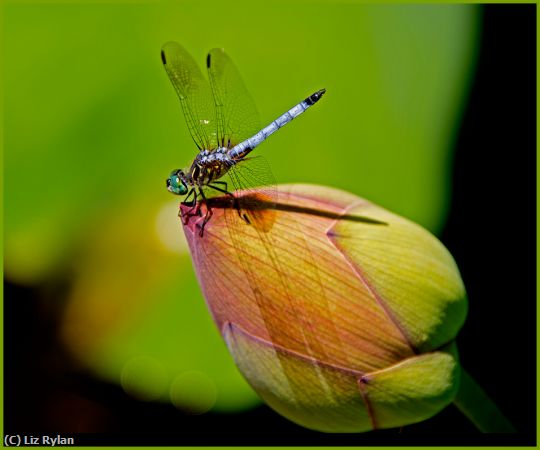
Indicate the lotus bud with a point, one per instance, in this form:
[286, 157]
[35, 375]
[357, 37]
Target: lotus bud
[341, 315]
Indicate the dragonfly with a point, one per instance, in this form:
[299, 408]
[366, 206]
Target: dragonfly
[223, 122]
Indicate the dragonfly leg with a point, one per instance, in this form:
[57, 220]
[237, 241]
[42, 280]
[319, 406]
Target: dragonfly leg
[223, 183]
[235, 200]
[192, 201]
[208, 214]
[225, 191]
[193, 204]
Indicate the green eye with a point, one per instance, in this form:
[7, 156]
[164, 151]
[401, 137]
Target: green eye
[175, 185]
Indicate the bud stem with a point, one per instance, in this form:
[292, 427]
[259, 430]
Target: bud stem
[474, 403]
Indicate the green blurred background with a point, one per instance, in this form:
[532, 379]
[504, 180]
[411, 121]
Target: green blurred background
[92, 127]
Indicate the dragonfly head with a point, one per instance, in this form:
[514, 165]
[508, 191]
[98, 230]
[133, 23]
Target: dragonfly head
[176, 183]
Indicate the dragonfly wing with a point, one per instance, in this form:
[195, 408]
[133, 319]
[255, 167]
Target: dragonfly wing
[194, 93]
[283, 286]
[252, 184]
[236, 113]
[254, 175]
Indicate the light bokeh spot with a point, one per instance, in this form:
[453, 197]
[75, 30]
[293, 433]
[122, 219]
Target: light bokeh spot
[193, 393]
[168, 228]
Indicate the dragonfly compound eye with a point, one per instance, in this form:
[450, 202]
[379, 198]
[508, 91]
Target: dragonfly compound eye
[176, 185]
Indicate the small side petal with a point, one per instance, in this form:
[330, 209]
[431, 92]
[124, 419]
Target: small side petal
[413, 390]
[307, 392]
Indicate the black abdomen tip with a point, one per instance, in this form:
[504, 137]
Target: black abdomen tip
[314, 98]
[319, 94]
[208, 61]
[163, 57]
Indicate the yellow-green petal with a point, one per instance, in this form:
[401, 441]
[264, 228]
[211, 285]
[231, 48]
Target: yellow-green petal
[412, 390]
[410, 272]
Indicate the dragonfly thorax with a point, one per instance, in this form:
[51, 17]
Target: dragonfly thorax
[208, 166]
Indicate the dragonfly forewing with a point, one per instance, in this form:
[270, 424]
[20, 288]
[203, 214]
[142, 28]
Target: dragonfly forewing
[236, 113]
[194, 92]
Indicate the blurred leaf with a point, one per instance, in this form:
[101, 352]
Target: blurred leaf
[92, 127]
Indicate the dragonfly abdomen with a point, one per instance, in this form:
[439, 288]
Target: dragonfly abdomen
[242, 149]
